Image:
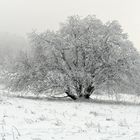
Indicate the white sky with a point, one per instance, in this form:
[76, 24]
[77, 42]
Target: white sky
[22, 16]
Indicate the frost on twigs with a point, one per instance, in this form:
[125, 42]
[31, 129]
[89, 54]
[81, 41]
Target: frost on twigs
[84, 55]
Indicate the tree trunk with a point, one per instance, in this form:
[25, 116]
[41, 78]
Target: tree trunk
[81, 95]
[88, 91]
[69, 94]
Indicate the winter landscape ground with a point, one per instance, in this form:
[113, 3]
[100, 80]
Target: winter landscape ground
[30, 119]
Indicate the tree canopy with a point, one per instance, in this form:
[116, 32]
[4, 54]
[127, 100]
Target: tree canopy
[81, 56]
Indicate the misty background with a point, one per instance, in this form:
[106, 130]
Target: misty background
[19, 17]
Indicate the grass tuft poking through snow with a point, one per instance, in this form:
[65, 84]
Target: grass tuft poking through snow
[26, 119]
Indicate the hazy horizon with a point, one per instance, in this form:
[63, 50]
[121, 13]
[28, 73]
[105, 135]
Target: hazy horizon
[22, 16]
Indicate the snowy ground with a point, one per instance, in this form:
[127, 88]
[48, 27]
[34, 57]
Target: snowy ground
[26, 119]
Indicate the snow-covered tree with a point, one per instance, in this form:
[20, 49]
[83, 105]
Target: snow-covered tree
[83, 55]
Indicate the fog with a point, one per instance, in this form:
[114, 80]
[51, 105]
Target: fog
[22, 16]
